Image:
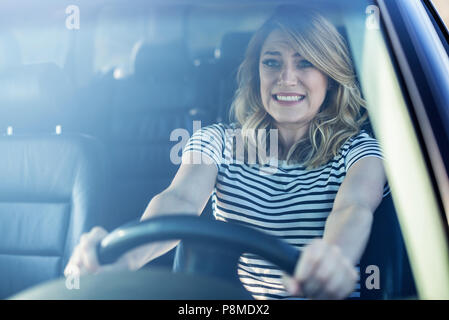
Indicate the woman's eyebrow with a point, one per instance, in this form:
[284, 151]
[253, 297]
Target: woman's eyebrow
[277, 53]
[272, 53]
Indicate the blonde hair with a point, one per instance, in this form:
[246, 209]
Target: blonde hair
[340, 117]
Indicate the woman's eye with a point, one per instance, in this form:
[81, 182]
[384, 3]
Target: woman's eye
[272, 63]
[304, 64]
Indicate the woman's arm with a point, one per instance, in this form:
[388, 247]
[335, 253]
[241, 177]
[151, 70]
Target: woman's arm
[326, 268]
[188, 193]
[349, 223]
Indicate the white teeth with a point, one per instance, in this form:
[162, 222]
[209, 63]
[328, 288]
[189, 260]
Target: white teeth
[289, 98]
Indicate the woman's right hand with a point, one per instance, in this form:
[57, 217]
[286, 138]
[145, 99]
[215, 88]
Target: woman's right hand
[84, 259]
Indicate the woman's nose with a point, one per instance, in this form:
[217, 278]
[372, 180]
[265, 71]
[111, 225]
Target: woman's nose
[288, 76]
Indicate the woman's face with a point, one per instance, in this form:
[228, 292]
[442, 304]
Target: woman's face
[292, 89]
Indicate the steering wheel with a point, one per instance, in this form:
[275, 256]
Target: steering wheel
[195, 278]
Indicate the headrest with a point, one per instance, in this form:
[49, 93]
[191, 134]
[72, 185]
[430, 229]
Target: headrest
[159, 62]
[233, 46]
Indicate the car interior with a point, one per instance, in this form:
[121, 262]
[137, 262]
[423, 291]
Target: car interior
[86, 117]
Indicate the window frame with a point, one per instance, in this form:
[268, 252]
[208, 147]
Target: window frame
[409, 42]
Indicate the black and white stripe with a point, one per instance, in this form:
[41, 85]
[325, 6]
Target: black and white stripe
[292, 203]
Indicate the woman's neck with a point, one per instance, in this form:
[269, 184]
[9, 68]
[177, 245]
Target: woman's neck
[288, 136]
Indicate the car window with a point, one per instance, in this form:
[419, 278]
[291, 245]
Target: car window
[120, 31]
[222, 20]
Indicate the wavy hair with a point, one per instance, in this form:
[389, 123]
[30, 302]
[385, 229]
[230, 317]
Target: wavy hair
[340, 116]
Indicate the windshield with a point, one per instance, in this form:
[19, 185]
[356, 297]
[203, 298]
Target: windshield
[142, 78]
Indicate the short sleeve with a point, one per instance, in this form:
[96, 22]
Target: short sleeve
[363, 146]
[208, 141]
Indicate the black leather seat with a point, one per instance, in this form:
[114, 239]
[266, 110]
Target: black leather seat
[232, 53]
[52, 190]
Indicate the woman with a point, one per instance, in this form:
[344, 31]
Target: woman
[296, 81]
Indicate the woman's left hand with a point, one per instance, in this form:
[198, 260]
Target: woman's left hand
[322, 272]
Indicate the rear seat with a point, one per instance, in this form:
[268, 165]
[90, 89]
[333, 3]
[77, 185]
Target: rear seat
[145, 108]
[217, 74]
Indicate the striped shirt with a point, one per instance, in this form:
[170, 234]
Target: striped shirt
[290, 202]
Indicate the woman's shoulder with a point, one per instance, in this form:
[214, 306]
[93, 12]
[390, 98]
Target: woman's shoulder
[362, 136]
[359, 146]
[215, 129]
[217, 133]
[355, 142]
[221, 129]
[219, 126]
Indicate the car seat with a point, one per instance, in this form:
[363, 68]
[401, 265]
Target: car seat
[53, 189]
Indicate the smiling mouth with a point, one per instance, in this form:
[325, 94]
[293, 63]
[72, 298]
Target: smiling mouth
[288, 97]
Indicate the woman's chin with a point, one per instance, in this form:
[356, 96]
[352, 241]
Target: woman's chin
[289, 119]
[290, 115]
